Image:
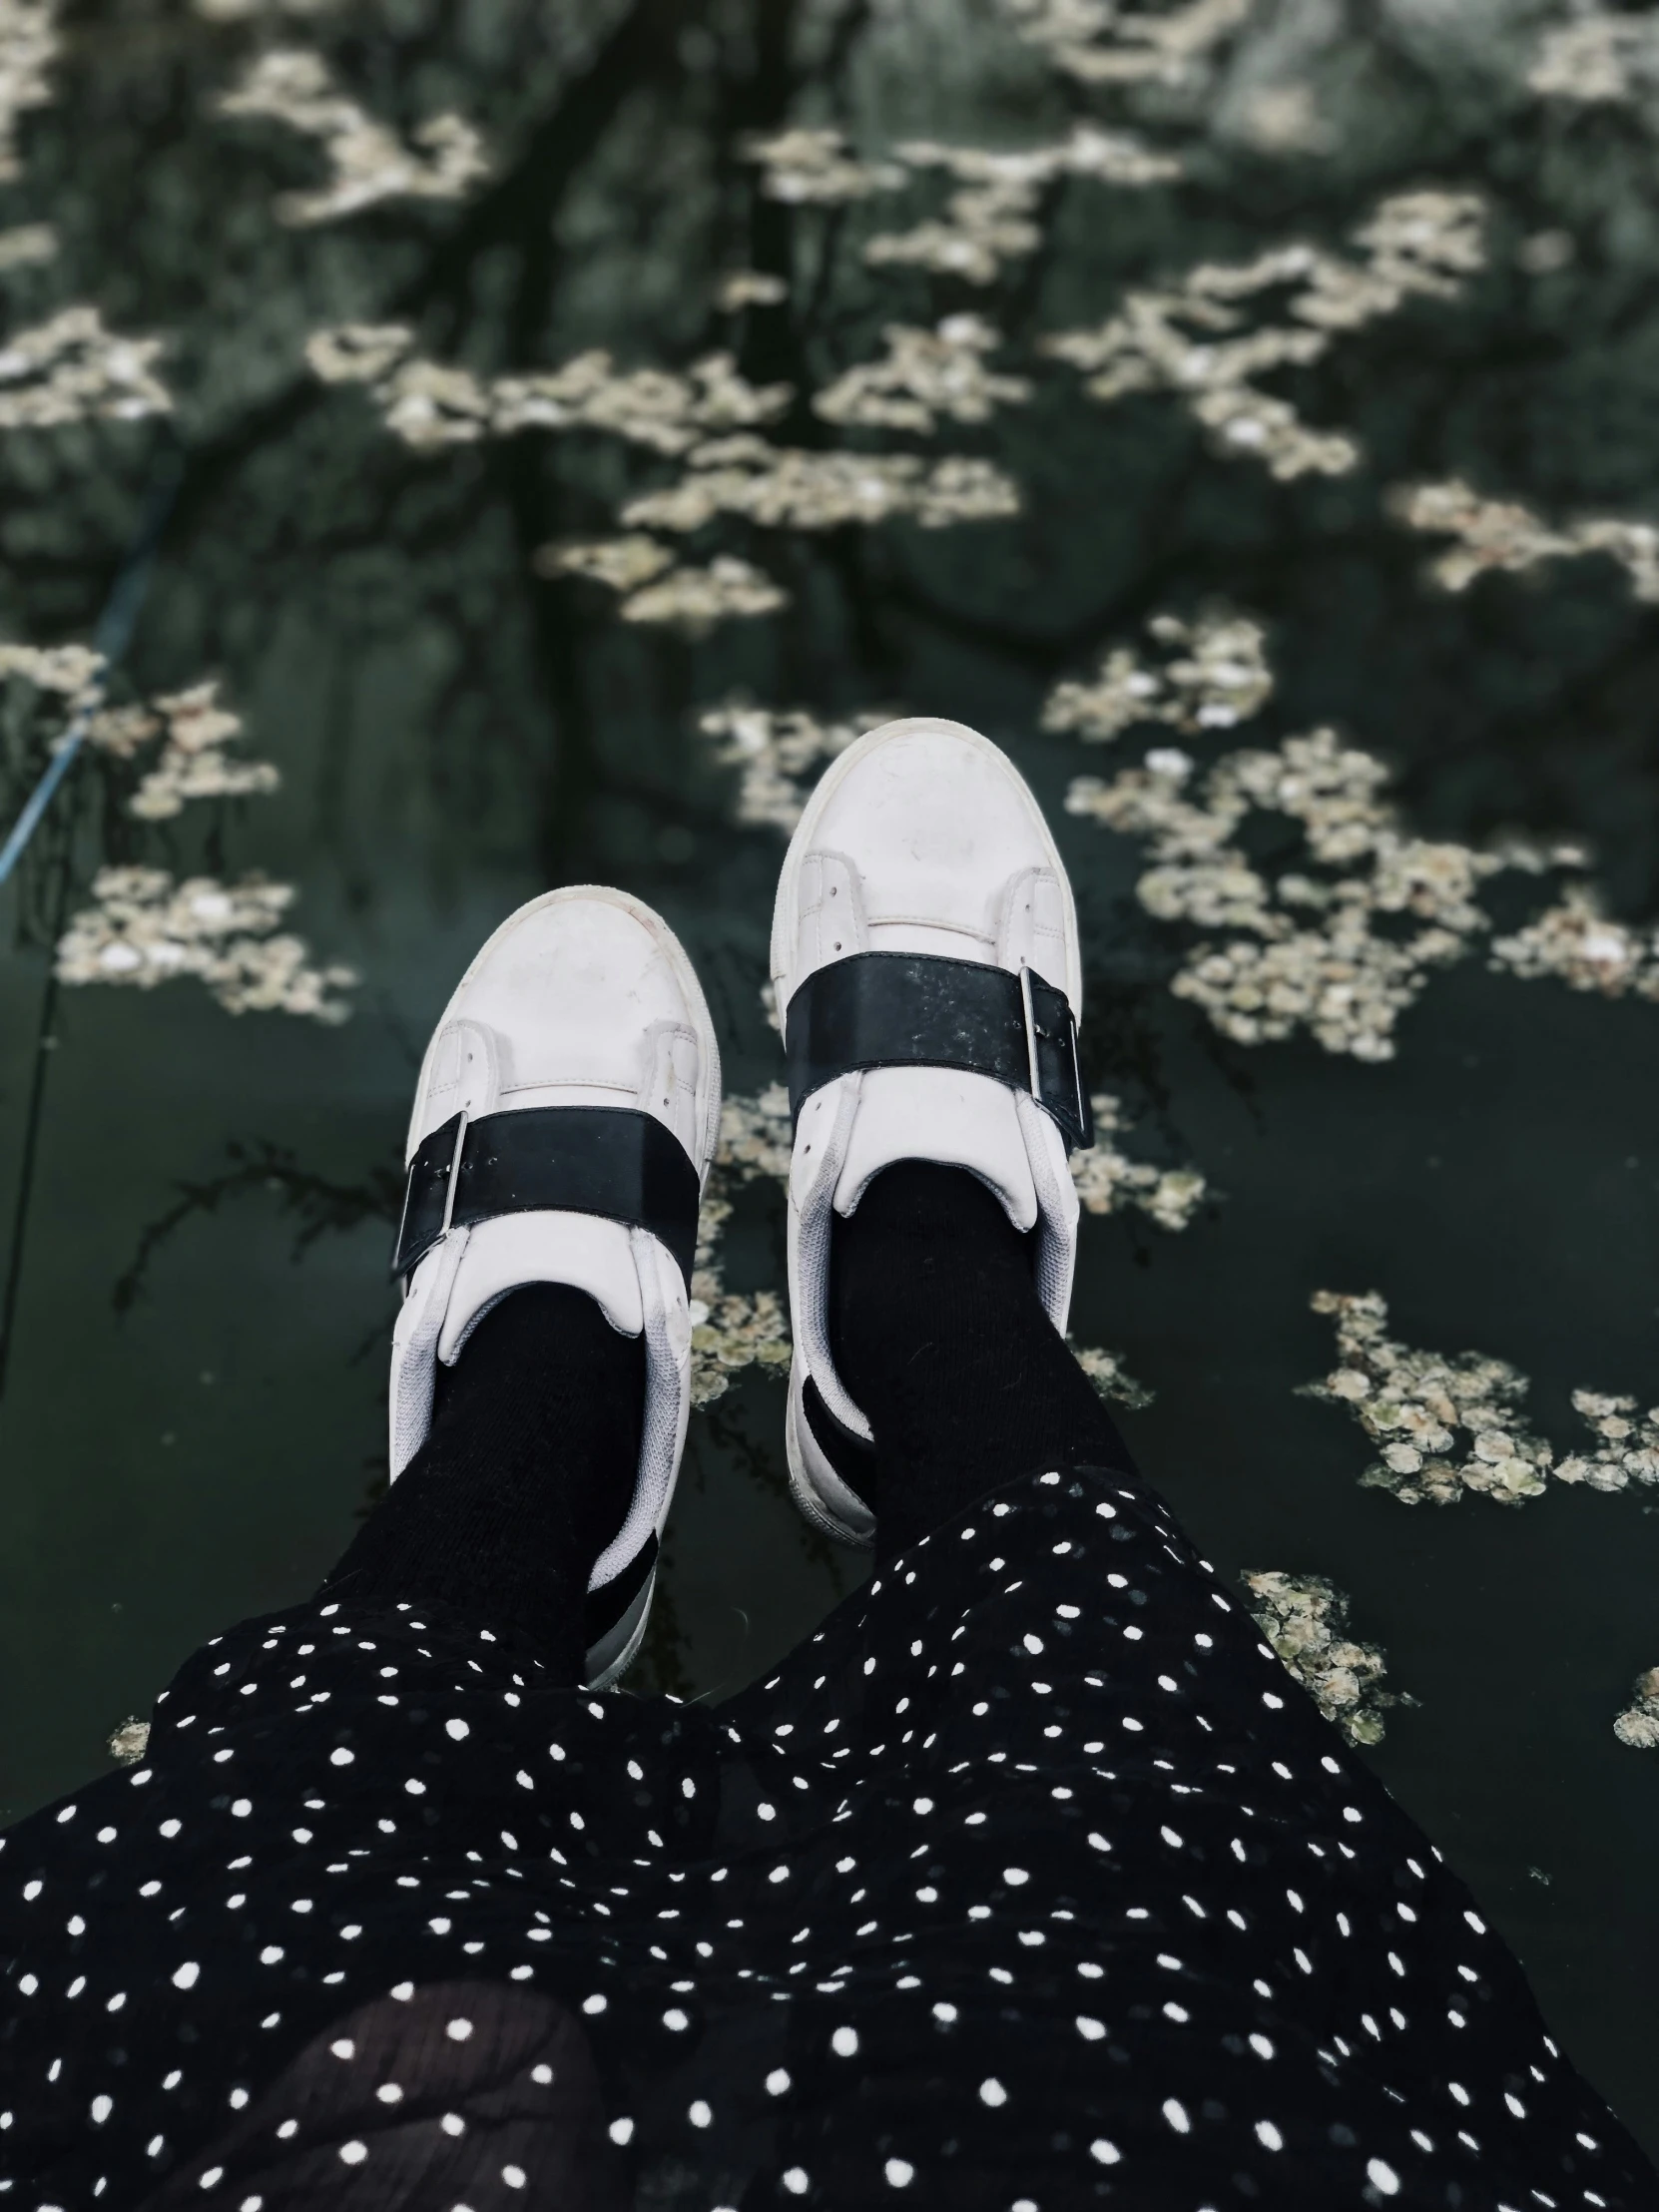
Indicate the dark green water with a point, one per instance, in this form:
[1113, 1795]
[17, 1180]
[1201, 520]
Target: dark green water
[454, 732]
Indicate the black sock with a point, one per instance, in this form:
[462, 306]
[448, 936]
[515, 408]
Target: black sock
[526, 1474]
[937, 1331]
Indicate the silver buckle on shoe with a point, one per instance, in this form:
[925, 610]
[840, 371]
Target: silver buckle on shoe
[454, 1176]
[1058, 1091]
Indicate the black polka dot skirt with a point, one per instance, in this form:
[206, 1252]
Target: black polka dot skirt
[1030, 1881]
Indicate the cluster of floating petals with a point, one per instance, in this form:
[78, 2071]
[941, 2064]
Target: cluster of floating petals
[29, 43]
[293, 85]
[800, 488]
[1108, 1179]
[1211, 673]
[1639, 1724]
[70, 368]
[246, 11]
[731, 1330]
[1099, 43]
[1111, 1377]
[990, 217]
[193, 763]
[694, 600]
[27, 243]
[75, 671]
[1502, 534]
[774, 751]
[1191, 337]
[143, 928]
[621, 564]
[1576, 943]
[749, 288]
[1626, 1446]
[1309, 956]
[128, 1741]
[429, 404]
[923, 377]
[1598, 56]
[1443, 1424]
[816, 167]
[1305, 1618]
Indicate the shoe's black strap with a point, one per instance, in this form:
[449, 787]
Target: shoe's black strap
[607, 1160]
[913, 1010]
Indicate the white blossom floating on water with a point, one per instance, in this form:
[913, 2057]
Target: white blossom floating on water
[1111, 1379]
[128, 1743]
[749, 288]
[1180, 338]
[621, 564]
[794, 488]
[1139, 46]
[989, 218]
[1627, 1443]
[775, 750]
[74, 670]
[1413, 1403]
[249, 11]
[1107, 1179]
[670, 412]
[27, 243]
[1333, 975]
[1305, 1618]
[1344, 983]
[429, 404]
[1639, 1724]
[1215, 675]
[145, 929]
[358, 352]
[924, 376]
[1600, 56]
[193, 761]
[1502, 534]
[292, 85]
[690, 599]
[71, 368]
[696, 599]
[732, 1329]
[816, 167]
[1576, 943]
[757, 1136]
[28, 44]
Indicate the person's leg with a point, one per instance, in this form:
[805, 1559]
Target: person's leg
[524, 1478]
[1165, 1935]
[938, 1331]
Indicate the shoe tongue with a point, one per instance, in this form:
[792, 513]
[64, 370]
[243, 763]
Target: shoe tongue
[513, 1249]
[902, 935]
[942, 1114]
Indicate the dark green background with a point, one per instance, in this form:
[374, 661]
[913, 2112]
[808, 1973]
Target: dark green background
[455, 734]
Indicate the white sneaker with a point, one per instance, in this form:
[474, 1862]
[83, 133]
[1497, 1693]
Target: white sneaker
[925, 958]
[562, 1131]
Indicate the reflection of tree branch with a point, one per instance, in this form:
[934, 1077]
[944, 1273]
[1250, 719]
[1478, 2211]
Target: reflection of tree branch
[319, 1204]
[519, 205]
[522, 201]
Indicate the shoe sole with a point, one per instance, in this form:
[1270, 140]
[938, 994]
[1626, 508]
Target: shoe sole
[604, 1663]
[805, 1482]
[798, 1445]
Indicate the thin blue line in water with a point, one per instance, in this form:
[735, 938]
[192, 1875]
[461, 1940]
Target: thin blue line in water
[110, 642]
